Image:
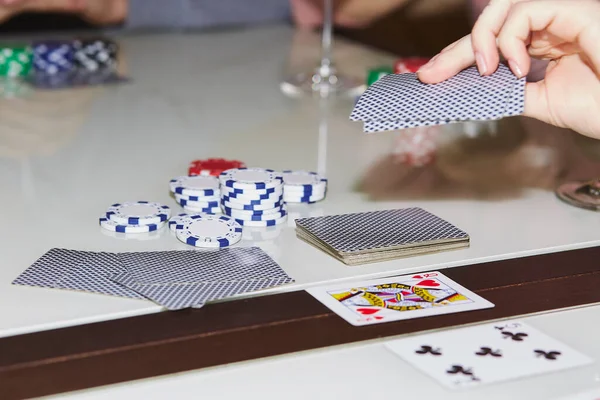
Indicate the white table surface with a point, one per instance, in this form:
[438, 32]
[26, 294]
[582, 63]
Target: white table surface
[370, 370]
[66, 156]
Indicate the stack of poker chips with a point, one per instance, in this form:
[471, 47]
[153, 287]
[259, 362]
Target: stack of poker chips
[303, 187]
[197, 194]
[135, 217]
[15, 60]
[74, 63]
[253, 196]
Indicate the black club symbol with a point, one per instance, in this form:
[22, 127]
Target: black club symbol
[429, 350]
[459, 369]
[517, 337]
[548, 355]
[484, 351]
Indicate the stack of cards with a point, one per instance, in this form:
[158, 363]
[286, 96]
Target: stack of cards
[368, 237]
[401, 101]
[172, 279]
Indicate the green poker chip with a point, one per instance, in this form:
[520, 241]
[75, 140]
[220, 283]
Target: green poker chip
[375, 74]
[15, 61]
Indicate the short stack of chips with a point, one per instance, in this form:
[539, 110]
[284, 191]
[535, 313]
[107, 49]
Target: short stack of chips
[253, 196]
[213, 166]
[53, 57]
[135, 217]
[92, 55]
[303, 187]
[15, 60]
[197, 194]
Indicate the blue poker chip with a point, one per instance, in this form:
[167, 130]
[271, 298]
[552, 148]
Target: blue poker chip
[251, 178]
[199, 185]
[304, 181]
[249, 192]
[251, 207]
[128, 228]
[198, 204]
[138, 213]
[242, 215]
[242, 197]
[53, 57]
[203, 230]
[239, 202]
[271, 222]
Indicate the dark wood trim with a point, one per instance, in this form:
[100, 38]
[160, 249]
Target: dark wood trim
[115, 351]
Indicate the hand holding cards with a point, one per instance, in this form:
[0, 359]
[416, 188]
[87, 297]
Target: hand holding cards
[400, 101]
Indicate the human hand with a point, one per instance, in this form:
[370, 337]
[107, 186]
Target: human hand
[347, 13]
[100, 12]
[565, 32]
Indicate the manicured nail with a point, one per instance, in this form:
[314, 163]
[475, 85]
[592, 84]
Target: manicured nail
[428, 65]
[515, 67]
[481, 65]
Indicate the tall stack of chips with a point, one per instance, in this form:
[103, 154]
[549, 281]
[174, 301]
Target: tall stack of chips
[15, 60]
[253, 196]
[197, 194]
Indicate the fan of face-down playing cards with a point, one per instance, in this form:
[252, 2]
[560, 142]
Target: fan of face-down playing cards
[374, 236]
[400, 101]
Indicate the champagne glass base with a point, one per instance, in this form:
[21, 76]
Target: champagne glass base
[581, 194]
[313, 83]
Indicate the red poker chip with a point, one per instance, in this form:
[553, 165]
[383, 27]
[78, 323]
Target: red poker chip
[410, 64]
[213, 166]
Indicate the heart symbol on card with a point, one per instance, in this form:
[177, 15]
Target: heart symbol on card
[428, 282]
[378, 317]
[367, 311]
[418, 276]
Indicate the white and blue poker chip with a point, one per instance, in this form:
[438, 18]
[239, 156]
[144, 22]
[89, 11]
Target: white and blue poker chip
[199, 185]
[113, 226]
[252, 207]
[196, 198]
[243, 202]
[236, 211]
[250, 192]
[138, 213]
[244, 216]
[304, 181]
[211, 231]
[198, 204]
[251, 178]
[176, 219]
[303, 199]
[245, 197]
[270, 222]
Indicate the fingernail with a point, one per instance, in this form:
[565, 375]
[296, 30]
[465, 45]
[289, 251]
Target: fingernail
[428, 65]
[515, 67]
[481, 65]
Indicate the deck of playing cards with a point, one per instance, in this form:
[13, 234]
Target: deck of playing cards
[172, 279]
[368, 237]
[400, 101]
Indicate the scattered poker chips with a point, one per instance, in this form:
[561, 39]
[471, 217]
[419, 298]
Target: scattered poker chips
[211, 231]
[135, 217]
[213, 166]
[303, 187]
[199, 194]
[253, 196]
[15, 60]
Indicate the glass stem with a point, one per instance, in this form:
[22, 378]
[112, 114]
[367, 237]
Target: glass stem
[327, 38]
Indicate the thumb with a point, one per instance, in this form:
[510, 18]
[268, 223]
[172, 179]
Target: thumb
[536, 102]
